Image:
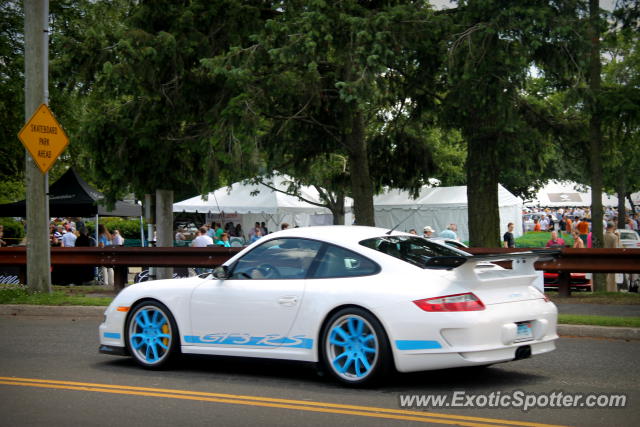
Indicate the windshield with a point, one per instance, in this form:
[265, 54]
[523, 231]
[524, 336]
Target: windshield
[414, 250]
[628, 235]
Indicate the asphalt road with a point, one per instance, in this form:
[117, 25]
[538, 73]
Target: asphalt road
[52, 375]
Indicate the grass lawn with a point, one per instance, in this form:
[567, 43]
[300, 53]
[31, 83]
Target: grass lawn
[576, 319]
[539, 239]
[61, 295]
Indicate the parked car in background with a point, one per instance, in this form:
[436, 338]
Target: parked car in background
[577, 281]
[629, 238]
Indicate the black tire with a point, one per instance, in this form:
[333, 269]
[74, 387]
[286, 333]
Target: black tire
[151, 335]
[354, 348]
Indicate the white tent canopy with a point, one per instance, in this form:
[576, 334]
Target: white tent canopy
[438, 207]
[568, 194]
[248, 203]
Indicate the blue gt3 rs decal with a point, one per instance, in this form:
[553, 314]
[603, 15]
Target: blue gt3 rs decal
[269, 340]
[417, 345]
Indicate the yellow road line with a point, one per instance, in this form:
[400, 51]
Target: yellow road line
[325, 407]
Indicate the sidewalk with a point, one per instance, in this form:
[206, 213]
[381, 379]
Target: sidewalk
[583, 331]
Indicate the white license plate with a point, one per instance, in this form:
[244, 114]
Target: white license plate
[524, 332]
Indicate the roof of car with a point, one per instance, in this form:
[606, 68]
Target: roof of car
[341, 234]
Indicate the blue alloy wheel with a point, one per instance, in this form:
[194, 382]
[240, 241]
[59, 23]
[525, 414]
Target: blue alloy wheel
[355, 347]
[151, 334]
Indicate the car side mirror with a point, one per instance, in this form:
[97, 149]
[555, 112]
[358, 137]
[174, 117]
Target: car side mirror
[221, 272]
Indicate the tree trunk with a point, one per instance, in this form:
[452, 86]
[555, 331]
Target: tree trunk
[482, 194]
[361, 187]
[633, 207]
[164, 227]
[595, 135]
[337, 209]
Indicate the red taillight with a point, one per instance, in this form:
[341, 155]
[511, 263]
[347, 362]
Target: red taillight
[457, 302]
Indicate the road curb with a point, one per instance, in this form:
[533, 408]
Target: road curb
[48, 310]
[590, 331]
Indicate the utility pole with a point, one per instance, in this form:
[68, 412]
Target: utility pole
[36, 69]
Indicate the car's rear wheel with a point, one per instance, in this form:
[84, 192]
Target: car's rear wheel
[152, 335]
[355, 348]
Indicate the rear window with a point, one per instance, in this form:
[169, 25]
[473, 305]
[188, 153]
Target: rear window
[411, 249]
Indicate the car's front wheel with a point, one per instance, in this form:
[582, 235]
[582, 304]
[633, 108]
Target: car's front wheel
[152, 335]
[355, 348]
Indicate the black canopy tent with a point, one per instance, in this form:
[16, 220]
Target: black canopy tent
[71, 196]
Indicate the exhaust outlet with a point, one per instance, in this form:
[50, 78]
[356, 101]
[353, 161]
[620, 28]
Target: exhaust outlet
[523, 352]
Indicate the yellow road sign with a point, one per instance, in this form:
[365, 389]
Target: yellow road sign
[44, 138]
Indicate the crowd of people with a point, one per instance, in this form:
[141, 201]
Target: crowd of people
[64, 233]
[451, 232]
[567, 220]
[215, 235]
[576, 222]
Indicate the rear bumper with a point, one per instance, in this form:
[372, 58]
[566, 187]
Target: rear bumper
[426, 362]
[459, 339]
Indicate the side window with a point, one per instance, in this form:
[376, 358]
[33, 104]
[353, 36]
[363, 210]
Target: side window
[277, 259]
[340, 262]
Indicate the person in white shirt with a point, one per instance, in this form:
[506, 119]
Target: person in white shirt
[117, 238]
[69, 239]
[202, 241]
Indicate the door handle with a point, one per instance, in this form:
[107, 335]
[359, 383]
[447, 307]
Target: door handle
[288, 301]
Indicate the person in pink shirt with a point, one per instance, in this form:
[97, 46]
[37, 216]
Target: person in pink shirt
[555, 241]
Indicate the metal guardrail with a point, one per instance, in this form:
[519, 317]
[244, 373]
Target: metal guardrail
[570, 260]
[580, 260]
[126, 256]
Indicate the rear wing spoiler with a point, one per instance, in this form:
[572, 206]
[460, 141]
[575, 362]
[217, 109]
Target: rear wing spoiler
[522, 262]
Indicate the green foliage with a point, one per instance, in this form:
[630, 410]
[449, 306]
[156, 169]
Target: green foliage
[12, 118]
[13, 231]
[492, 47]
[12, 189]
[620, 101]
[129, 228]
[143, 106]
[327, 78]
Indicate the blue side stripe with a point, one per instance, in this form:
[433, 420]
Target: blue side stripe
[417, 345]
[113, 335]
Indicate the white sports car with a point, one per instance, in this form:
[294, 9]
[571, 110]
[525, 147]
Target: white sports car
[357, 300]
